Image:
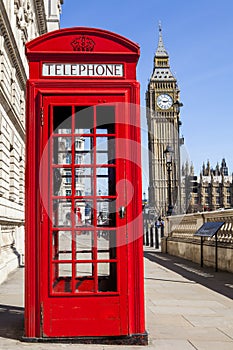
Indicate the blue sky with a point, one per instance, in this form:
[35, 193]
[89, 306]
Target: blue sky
[198, 35]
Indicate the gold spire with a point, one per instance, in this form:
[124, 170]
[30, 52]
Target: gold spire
[161, 52]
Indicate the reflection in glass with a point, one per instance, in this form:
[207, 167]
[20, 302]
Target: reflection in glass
[105, 184]
[84, 245]
[62, 245]
[61, 213]
[83, 212]
[107, 277]
[83, 269]
[84, 278]
[106, 245]
[62, 182]
[102, 143]
[83, 240]
[106, 212]
[62, 150]
[64, 270]
[84, 120]
[105, 150]
[83, 150]
[83, 181]
[61, 277]
[105, 119]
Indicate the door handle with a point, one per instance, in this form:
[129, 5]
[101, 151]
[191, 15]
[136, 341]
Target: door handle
[122, 212]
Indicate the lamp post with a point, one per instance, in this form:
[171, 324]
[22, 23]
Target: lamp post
[168, 155]
[177, 106]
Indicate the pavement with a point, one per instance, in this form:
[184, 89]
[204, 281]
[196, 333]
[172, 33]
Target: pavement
[187, 308]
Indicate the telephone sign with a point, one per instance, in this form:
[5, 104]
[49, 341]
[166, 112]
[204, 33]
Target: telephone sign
[84, 265]
[82, 70]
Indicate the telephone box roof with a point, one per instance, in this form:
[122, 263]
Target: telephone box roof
[82, 41]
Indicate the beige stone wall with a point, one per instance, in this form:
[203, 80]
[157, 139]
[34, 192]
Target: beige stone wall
[20, 22]
[179, 239]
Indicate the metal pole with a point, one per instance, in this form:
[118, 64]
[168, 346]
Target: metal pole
[169, 211]
[216, 252]
[152, 236]
[144, 230]
[202, 251]
[156, 238]
[162, 231]
[147, 235]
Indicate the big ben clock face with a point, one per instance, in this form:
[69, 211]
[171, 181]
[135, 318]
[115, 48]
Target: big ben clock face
[164, 101]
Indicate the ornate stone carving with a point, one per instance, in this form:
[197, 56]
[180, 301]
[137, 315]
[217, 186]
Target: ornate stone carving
[24, 16]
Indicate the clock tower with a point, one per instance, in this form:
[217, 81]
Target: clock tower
[163, 109]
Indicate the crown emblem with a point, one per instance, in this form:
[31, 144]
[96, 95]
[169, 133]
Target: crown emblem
[83, 43]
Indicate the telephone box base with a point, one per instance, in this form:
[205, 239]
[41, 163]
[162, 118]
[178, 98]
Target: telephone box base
[133, 339]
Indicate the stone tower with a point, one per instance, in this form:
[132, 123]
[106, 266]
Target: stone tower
[163, 109]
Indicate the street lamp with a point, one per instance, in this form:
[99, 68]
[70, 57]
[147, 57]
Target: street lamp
[177, 106]
[168, 155]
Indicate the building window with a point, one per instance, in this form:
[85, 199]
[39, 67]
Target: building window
[68, 158]
[68, 143]
[68, 177]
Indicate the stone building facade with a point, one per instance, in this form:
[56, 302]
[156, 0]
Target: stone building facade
[20, 22]
[163, 119]
[211, 190]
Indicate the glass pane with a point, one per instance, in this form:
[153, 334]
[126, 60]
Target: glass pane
[107, 277]
[83, 212]
[105, 119]
[106, 245]
[106, 212]
[84, 245]
[105, 182]
[83, 150]
[62, 182]
[102, 171]
[62, 119]
[102, 143]
[62, 245]
[84, 269]
[62, 150]
[64, 270]
[102, 186]
[83, 181]
[61, 277]
[61, 213]
[103, 269]
[102, 158]
[85, 278]
[105, 148]
[84, 120]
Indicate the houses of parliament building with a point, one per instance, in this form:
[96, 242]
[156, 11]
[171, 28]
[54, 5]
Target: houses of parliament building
[211, 190]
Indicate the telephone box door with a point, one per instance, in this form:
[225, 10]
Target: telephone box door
[83, 229]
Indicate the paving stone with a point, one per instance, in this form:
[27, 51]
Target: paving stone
[182, 312]
[213, 345]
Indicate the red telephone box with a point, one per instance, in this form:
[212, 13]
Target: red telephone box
[84, 256]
